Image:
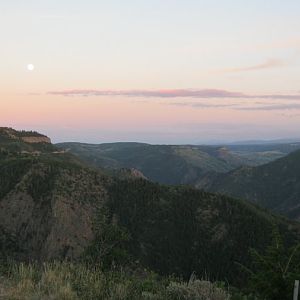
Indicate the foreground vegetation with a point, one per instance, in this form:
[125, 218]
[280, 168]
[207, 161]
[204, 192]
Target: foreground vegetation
[63, 281]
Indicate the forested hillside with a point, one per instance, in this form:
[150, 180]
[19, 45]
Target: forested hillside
[160, 163]
[275, 186]
[177, 164]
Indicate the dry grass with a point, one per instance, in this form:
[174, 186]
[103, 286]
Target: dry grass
[66, 281]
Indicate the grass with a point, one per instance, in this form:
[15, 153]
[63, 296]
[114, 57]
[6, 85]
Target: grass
[68, 281]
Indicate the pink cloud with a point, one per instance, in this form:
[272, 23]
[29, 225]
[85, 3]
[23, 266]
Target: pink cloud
[165, 93]
[287, 106]
[171, 93]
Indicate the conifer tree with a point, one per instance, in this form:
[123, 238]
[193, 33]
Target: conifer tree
[275, 271]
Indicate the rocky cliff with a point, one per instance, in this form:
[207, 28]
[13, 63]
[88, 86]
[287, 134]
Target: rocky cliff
[49, 207]
[36, 139]
[31, 137]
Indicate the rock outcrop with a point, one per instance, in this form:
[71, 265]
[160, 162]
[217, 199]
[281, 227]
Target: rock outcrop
[51, 210]
[36, 139]
[30, 137]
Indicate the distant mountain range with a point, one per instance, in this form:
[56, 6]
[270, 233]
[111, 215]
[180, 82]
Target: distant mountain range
[160, 163]
[177, 164]
[267, 174]
[50, 202]
[265, 142]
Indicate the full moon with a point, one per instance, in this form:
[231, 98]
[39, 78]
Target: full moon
[30, 67]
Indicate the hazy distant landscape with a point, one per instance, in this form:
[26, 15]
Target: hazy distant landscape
[178, 164]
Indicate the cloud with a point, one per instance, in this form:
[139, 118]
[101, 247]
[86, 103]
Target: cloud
[271, 63]
[277, 97]
[196, 94]
[173, 93]
[288, 106]
[289, 115]
[203, 105]
[257, 106]
[168, 93]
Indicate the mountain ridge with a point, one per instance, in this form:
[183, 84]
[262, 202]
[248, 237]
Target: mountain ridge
[275, 185]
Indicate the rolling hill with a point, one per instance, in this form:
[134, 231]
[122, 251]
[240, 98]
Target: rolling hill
[275, 185]
[160, 163]
[177, 164]
[256, 154]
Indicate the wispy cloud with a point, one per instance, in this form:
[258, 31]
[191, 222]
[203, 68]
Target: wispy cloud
[172, 93]
[203, 105]
[277, 96]
[257, 106]
[269, 64]
[167, 93]
[288, 106]
[289, 115]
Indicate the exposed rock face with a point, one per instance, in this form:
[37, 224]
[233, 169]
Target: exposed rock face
[58, 229]
[30, 137]
[55, 221]
[137, 174]
[131, 173]
[36, 140]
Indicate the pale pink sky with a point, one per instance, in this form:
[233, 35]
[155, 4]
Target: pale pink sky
[172, 72]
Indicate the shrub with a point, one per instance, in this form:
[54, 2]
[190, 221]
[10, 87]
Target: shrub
[196, 290]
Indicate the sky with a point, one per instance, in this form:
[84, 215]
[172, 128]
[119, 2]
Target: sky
[168, 72]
